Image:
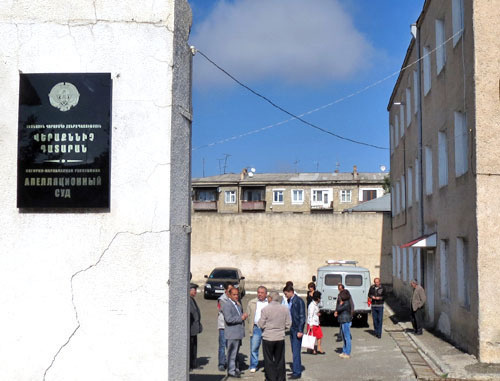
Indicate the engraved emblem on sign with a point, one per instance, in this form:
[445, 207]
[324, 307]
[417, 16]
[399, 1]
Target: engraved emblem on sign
[64, 95]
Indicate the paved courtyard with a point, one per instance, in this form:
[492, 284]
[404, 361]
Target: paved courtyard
[372, 358]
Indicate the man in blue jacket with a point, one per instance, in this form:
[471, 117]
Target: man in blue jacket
[297, 309]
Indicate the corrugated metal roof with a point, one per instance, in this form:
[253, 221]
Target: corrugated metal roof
[303, 178]
[381, 204]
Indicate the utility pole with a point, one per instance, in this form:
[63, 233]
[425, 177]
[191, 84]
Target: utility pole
[203, 167]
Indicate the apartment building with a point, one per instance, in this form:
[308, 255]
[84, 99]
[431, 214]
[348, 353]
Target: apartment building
[285, 192]
[444, 124]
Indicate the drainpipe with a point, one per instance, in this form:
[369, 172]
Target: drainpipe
[416, 30]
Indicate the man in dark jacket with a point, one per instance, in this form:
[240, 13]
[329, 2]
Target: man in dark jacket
[195, 325]
[377, 296]
[297, 309]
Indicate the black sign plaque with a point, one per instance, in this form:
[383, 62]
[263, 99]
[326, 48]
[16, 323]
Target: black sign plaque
[64, 140]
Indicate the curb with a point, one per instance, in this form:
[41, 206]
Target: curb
[438, 366]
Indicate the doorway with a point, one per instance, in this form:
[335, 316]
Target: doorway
[428, 282]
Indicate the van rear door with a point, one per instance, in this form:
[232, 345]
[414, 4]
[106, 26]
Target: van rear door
[328, 286]
[357, 286]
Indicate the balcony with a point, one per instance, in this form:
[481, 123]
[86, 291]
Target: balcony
[253, 206]
[321, 206]
[205, 206]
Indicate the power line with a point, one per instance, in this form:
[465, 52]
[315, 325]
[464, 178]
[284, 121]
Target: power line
[286, 111]
[376, 83]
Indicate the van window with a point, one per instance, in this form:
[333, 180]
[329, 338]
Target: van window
[333, 279]
[353, 280]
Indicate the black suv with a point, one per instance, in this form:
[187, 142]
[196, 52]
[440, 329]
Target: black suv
[214, 286]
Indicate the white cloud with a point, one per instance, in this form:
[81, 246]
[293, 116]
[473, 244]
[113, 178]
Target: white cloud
[296, 41]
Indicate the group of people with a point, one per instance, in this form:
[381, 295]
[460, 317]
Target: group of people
[269, 316]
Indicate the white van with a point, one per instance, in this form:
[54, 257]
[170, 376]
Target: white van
[355, 279]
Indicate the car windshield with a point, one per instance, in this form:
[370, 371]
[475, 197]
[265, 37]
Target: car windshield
[224, 273]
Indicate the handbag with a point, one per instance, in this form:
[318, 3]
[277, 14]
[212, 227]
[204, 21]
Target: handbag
[308, 340]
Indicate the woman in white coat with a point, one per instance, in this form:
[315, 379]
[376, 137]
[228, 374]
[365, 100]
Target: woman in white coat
[313, 326]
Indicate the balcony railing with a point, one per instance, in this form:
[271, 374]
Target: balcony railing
[201, 206]
[253, 205]
[322, 206]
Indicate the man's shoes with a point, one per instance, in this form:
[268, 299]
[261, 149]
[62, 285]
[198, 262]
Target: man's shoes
[339, 339]
[222, 368]
[294, 377]
[344, 356]
[419, 332]
[253, 370]
[379, 336]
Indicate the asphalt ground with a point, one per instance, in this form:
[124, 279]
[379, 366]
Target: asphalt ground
[371, 359]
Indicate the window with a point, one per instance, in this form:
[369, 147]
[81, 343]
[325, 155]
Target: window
[405, 268]
[440, 47]
[428, 170]
[391, 130]
[230, 197]
[462, 273]
[206, 195]
[333, 279]
[353, 280]
[399, 261]
[416, 86]
[408, 107]
[321, 197]
[253, 195]
[427, 69]
[457, 14]
[410, 263]
[409, 176]
[403, 193]
[396, 131]
[393, 202]
[443, 264]
[461, 144]
[369, 194]
[442, 159]
[297, 196]
[277, 196]
[419, 265]
[402, 118]
[394, 260]
[417, 180]
[345, 195]
[398, 198]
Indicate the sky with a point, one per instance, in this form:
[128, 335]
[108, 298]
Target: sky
[310, 57]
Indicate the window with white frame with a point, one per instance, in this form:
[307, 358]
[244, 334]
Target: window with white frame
[442, 159]
[415, 91]
[230, 197]
[408, 107]
[428, 170]
[462, 273]
[457, 16]
[394, 261]
[402, 118]
[278, 196]
[409, 177]
[417, 180]
[345, 195]
[398, 198]
[443, 267]
[427, 69]
[461, 144]
[405, 268]
[297, 196]
[403, 193]
[440, 47]
[321, 197]
[367, 194]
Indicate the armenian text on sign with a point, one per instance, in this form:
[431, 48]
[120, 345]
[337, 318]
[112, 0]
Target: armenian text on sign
[64, 139]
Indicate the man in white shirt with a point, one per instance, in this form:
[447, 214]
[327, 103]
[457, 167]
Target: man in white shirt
[254, 310]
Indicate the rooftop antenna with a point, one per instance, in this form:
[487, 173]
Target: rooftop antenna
[317, 166]
[383, 168]
[295, 165]
[337, 166]
[226, 155]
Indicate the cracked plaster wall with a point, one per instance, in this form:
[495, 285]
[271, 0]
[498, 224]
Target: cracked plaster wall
[85, 294]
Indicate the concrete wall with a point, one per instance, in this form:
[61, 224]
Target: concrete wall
[86, 293]
[486, 17]
[273, 248]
